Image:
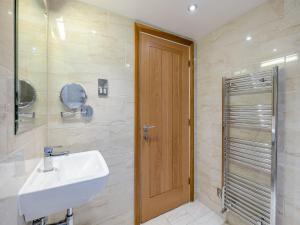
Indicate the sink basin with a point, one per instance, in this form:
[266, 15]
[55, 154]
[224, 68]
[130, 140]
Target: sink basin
[76, 179]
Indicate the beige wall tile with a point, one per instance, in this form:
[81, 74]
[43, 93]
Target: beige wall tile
[224, 52]
[98, 44]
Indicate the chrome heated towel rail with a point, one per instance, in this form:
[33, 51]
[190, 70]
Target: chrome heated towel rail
[244, 195]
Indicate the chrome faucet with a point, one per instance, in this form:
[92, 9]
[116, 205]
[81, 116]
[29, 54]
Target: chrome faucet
[48, 154]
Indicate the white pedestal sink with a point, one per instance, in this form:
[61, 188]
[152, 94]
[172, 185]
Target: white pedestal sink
[75, 180]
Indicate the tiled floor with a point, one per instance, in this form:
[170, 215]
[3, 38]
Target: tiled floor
[194, 213]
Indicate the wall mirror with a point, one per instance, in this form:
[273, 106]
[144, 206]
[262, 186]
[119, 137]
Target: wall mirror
[31, 30]
[27, 95]
[73, 96]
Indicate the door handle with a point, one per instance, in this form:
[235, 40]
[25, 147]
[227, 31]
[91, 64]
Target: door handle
[146, 131]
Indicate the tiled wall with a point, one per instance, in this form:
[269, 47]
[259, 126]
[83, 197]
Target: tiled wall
[275, 31]
[18, 154]
[85, 51]
[90, 44]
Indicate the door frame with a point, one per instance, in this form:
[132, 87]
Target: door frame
[140, 28]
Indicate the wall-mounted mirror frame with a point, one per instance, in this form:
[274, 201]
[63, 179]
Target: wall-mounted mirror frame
[73, 96]
[30, 62]
[26, 95]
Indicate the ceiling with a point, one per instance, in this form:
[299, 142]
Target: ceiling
[172, 15]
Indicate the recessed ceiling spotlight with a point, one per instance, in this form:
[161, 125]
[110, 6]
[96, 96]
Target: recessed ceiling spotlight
[275, 50]
[192, 8]
[248, 38]
[34, 49]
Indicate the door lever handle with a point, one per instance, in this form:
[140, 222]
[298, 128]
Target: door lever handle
[147, 127]
[146, 131]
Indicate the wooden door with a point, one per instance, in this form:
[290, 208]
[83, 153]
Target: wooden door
[164, 120]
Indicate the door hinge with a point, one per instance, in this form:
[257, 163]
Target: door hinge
[189, 122]
[189, 180]
[189, 63]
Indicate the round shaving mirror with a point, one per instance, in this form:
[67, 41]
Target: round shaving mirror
[27, 94]
[73, 96]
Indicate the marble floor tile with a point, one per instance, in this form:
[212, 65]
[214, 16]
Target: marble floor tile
[194, 213]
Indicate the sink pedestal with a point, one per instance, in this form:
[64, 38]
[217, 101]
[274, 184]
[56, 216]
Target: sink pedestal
[67, 221]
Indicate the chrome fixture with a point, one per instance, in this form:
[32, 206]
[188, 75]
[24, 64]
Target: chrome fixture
[67, 221]
[73, 96]
[27, 94]
[255, 116]
[250, 83]
[252, 199]
[25, 100]
[29, 115]
[86, 113]
[48, 154]
[146, 131]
